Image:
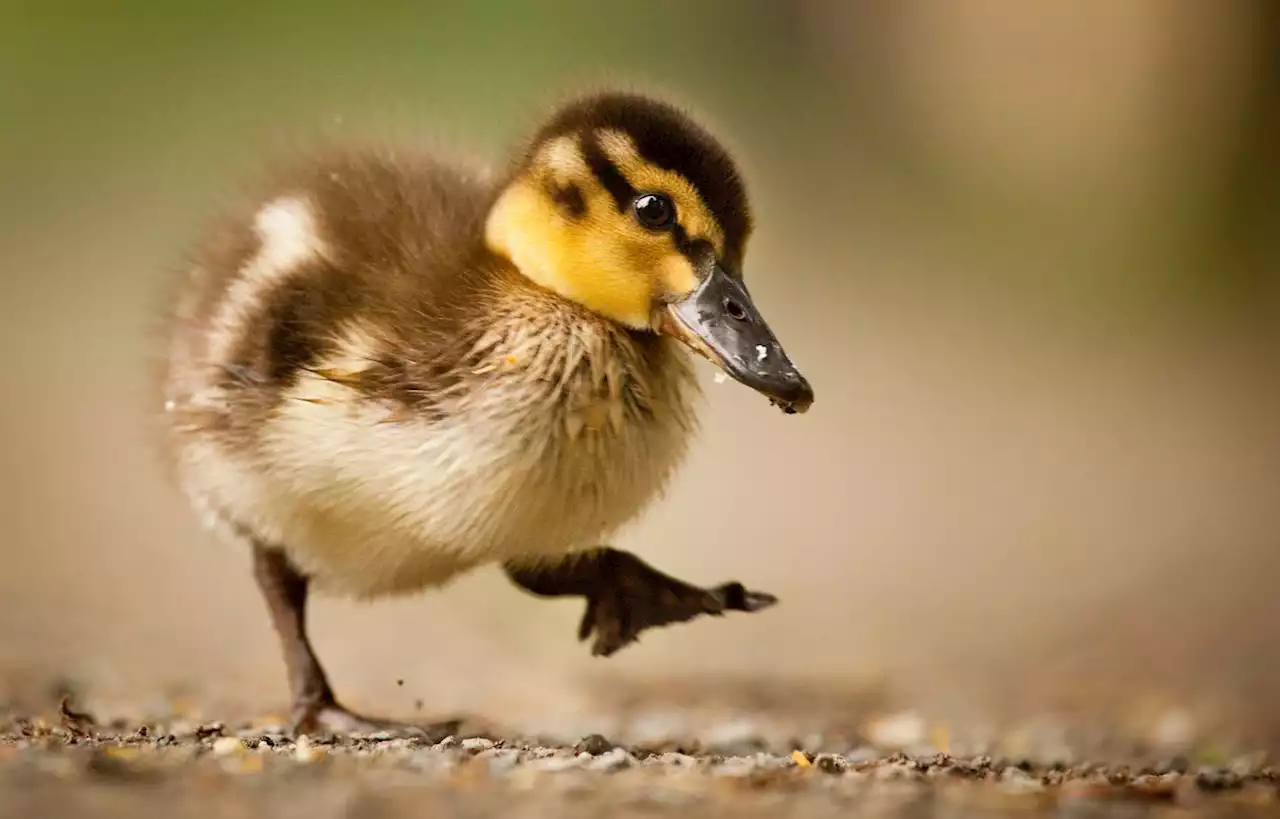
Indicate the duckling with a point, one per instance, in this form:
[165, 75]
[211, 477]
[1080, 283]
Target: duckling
[391, 369]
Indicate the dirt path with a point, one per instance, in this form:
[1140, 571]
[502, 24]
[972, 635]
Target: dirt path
[66, 763]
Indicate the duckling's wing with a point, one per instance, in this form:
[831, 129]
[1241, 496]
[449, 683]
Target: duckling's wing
[338, 243]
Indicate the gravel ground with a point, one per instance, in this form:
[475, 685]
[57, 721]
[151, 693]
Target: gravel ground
[661, 761]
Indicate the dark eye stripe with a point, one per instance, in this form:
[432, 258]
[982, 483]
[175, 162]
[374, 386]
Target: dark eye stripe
[570, 199]
[610, 178]
[681, 238]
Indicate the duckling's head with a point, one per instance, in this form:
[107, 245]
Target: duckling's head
[627, 207]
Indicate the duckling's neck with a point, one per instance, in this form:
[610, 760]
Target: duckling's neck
[524, 349]
[528, 321]
[524, 228]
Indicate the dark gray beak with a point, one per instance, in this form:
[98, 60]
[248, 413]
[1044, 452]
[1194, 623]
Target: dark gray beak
[719, 321]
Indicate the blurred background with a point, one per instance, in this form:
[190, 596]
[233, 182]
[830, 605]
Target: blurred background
[1028, 254]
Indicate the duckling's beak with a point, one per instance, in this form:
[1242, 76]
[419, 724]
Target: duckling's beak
[719, 321]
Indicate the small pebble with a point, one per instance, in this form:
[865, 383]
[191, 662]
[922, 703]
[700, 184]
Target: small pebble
[593, 744]
[614, 760]
[305, 752]
[1015, 780]
[831, 763]
[476, 744]
[226, 746]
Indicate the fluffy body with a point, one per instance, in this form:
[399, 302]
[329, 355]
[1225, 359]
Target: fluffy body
[355, 378]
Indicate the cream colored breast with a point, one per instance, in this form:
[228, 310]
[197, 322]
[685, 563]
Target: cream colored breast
[521, 464]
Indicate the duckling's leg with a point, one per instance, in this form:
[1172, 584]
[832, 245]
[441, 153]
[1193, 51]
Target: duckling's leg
[625, 595]
[314, 706]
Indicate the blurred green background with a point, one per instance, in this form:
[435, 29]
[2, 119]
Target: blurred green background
[1026, 252]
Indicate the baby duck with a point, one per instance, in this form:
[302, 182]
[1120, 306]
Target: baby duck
[390, 370]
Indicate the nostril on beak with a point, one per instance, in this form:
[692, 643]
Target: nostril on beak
[734, 310]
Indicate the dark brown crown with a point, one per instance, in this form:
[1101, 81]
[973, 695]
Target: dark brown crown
[668, 138]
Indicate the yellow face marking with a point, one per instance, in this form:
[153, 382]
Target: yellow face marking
[602, 258]
[691, 212]
[586, 260]
[677, 275]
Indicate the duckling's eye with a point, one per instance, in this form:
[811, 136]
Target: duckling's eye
[654, 211]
